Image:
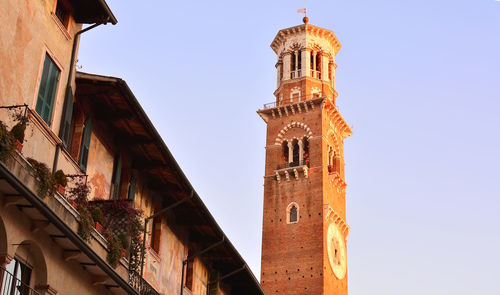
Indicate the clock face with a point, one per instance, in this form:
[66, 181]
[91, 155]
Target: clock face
[336, 251]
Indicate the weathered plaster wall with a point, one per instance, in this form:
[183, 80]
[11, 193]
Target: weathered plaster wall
[164, 271]
[99, 169]
[29, 30]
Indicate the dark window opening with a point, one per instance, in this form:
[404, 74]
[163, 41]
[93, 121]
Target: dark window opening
[285, 152]
[62, 12]
[117, 175]
[306, 151]
[293, 214]
[299, 60]
[131, 188]
[311, 60]
[85, 146]
[292, 64]
[156, 232]
[16, 279]
[296, 152]
[189, 271]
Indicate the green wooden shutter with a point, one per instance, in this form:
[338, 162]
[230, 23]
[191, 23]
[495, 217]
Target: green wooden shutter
[117, 176]
[65, 133]
[131, 189]
[85, 147]
[47, 90]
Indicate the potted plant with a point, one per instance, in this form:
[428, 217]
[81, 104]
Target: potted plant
[98, 219]
[18, 133]
[61, 181]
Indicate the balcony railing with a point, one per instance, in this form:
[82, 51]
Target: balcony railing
[291, 164]
[295, 74]
[140, 284]
[13, 286]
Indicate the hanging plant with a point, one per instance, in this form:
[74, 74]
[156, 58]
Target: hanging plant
[86, 223]
[46, 183]
[114, 249]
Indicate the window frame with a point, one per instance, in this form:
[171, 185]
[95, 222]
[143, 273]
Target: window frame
[47, 54]
[288, 212]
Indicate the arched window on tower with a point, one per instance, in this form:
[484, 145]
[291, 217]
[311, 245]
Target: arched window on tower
[318, 65]
[299, 63]
[311, 63]
[285, 154]
[305, 155]
[292, 213]
[292, 65]
[296, 152]
[331, 160]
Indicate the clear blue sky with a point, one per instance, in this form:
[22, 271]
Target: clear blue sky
[418, 81]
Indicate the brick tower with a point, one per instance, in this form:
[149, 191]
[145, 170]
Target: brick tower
[304, 228]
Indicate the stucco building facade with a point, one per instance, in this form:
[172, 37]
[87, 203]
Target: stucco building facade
[91, 199]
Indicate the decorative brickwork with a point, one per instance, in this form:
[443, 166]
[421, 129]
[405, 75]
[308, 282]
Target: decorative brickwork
[304, 253]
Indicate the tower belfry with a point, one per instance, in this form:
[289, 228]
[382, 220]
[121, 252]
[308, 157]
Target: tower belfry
[304, 221]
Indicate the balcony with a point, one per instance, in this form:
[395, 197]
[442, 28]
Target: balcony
[53, 211]
[12, 285]
[141, 285]
[292, 169]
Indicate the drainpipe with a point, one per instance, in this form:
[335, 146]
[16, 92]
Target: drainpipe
[184, 263]
[69, 90]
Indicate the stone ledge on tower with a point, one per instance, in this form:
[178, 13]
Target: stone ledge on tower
[329, 213]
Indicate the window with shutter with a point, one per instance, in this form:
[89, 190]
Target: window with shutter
[117, 175]
[65, 132]
[47, 90]
[131, 189]
[85, 146]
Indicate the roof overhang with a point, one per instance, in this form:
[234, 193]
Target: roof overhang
[92, 11]
[123, 112]
[308, 29]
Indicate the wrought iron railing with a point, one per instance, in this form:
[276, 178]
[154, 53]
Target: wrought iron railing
[14, 286]
[139, 283]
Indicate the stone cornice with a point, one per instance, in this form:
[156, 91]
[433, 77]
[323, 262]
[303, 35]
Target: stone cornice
[336, 119]
[308, 29]
[338, 182]
[330, 214]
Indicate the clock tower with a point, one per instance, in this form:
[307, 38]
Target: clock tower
[304, 226]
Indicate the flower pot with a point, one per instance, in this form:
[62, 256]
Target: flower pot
[124, 252]
[98, 227]
[61, 189]
[19, 146]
